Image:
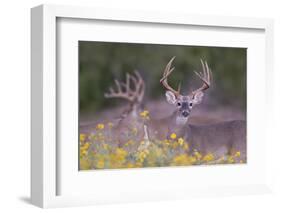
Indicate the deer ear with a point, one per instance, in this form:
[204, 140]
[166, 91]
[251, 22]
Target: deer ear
[171, 98]
[198, 97]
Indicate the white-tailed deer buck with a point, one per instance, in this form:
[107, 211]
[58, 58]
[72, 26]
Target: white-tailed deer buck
[220, 139]
[132, 90]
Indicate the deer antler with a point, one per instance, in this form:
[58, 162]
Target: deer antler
[164, 79]
[205, 76]
[132, 93]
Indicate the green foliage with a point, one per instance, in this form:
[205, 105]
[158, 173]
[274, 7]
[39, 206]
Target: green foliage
[101, 62]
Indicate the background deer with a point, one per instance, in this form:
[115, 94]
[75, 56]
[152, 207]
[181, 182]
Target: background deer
[220, 139]
[132, 90]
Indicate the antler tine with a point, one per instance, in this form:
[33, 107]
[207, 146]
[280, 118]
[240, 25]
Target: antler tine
[139, 85]
[205, 76]
[141, 88]
[118, 85]
[119, 93]
[138, 75]
[126, 91]
[127, 81]
[168, 69]
[164, 79]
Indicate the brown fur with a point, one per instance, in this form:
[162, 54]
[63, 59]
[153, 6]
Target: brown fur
[219, 138]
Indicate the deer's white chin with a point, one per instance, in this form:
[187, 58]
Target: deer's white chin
[181, 120]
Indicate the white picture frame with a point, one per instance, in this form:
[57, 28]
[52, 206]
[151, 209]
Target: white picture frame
[45, 178]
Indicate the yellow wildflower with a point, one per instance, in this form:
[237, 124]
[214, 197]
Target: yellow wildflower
[142, 155]
[121, 152]
[197, 154]
[230, 159]
[181, 160]
[85, 164]
[100, 164]
[117, 159]
[237, 154]
[100, 126]
[180, 141]
[85, 146]
[84, 152]
[208, 157]
[82, 137]
[145, 114]
[192, 160]
[173, 136]
[130, 165]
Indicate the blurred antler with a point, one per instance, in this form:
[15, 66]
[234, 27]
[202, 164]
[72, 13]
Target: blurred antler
[131, 90]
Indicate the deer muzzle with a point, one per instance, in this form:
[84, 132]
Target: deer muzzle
[185, 114]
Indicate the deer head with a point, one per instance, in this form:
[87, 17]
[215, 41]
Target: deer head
[131, 90]
[185, 103]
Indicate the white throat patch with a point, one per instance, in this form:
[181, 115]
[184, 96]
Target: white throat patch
[181, 120]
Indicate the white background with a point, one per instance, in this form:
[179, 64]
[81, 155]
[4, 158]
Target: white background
[156, 181]
[15, 105]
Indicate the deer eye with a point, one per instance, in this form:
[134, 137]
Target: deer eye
[179, 104]
[190, 104]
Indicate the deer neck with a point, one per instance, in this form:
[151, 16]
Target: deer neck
[177, 124]
[130, 113]
[134, 111]
[179, 121]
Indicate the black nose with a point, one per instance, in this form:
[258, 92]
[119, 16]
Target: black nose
[185, 113]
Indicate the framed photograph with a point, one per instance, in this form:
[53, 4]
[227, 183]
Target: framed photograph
[129, 106]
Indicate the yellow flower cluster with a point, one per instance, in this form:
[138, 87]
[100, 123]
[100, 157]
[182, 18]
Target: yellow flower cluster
[84, 149]
[102, 150]
[197, 154]
[142, 155]
[100, 164]
[82, 137]
[183, 160]
[237, 154]
[100, 126]
[209, 157]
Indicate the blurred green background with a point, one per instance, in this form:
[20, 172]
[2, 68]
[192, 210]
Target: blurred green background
[101, 62]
